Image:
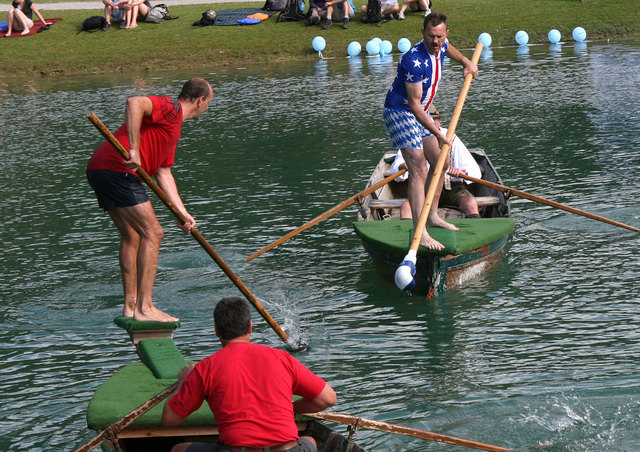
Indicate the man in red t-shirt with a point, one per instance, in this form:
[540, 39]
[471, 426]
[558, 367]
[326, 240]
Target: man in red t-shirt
[249, 388]
[150, 133]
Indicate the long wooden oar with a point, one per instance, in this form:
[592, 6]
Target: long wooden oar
[194, 232]
[358, 422]
[405, 272]
[335, 209]
[124, 422]
[547, 202]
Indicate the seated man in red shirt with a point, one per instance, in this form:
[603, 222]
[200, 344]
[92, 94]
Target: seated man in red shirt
[249, 388]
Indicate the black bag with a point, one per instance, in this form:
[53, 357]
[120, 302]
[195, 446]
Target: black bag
[293, 11]
[93, 23]
[275, 5]
[208, 18]
[374, 12]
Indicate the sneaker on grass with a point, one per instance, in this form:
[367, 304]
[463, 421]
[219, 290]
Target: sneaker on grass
[400, 15]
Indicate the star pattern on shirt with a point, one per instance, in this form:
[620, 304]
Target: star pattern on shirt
[409, 77]
[417, 62]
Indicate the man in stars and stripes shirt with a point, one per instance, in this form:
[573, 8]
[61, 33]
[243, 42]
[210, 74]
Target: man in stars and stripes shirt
[406, 116]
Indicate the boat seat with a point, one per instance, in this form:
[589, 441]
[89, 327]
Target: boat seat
[386, 203]
[396, 203]
[487, 200]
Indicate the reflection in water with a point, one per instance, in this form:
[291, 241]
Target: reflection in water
[555, 48]
[538, 350]
[523, 53]
[355, 66]
[580, 48]
[486, 55]
[321, 67]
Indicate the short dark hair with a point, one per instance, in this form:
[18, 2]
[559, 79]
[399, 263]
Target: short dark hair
[232, 317]
[434, 19]
[194, 89]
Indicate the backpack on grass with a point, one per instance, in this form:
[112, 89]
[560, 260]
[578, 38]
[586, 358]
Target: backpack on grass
[275, 5]
[292, 11]
[208, 18]
[374, 12]
[158, 13]
[93, 23]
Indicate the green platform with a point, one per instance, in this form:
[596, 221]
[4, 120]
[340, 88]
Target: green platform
[394, 236]
[129, 388]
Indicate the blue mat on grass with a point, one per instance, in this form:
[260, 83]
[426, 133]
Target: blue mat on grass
[232, 16]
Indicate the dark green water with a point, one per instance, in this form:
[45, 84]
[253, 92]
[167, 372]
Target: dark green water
[542, 350]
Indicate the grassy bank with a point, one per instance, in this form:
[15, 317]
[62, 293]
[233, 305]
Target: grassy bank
[177, 44]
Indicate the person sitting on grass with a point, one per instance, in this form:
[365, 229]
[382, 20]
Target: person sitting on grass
[315, 7]
[134, 10]
[19, 17]
[330, 10]
[112, 12]
[387, 8]
[415, 5]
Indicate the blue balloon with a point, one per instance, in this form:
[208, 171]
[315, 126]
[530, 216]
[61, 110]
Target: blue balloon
[318, 43]
[554, 36]
[485, 39]
[354, 48]
[404, 45]
[579, 34]
[522, 38]
[378, 40]
[386, 47]
[373, 48]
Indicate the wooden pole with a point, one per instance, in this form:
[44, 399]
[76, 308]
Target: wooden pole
[547, 202]
[335, 209]
[127, 420]
[194, 232]
[358, 422]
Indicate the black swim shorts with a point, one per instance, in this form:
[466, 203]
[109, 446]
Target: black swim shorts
[304, 445]
[114, 189]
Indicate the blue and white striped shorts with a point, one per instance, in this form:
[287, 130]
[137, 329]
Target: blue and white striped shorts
[404, 129]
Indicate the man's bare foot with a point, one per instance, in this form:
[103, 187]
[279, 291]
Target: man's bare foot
[429, 243]
[153, 315]
[437, 222]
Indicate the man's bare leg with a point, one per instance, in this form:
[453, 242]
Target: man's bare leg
[416, 192]
[129, 243]
[141, 271]
[432, 153]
